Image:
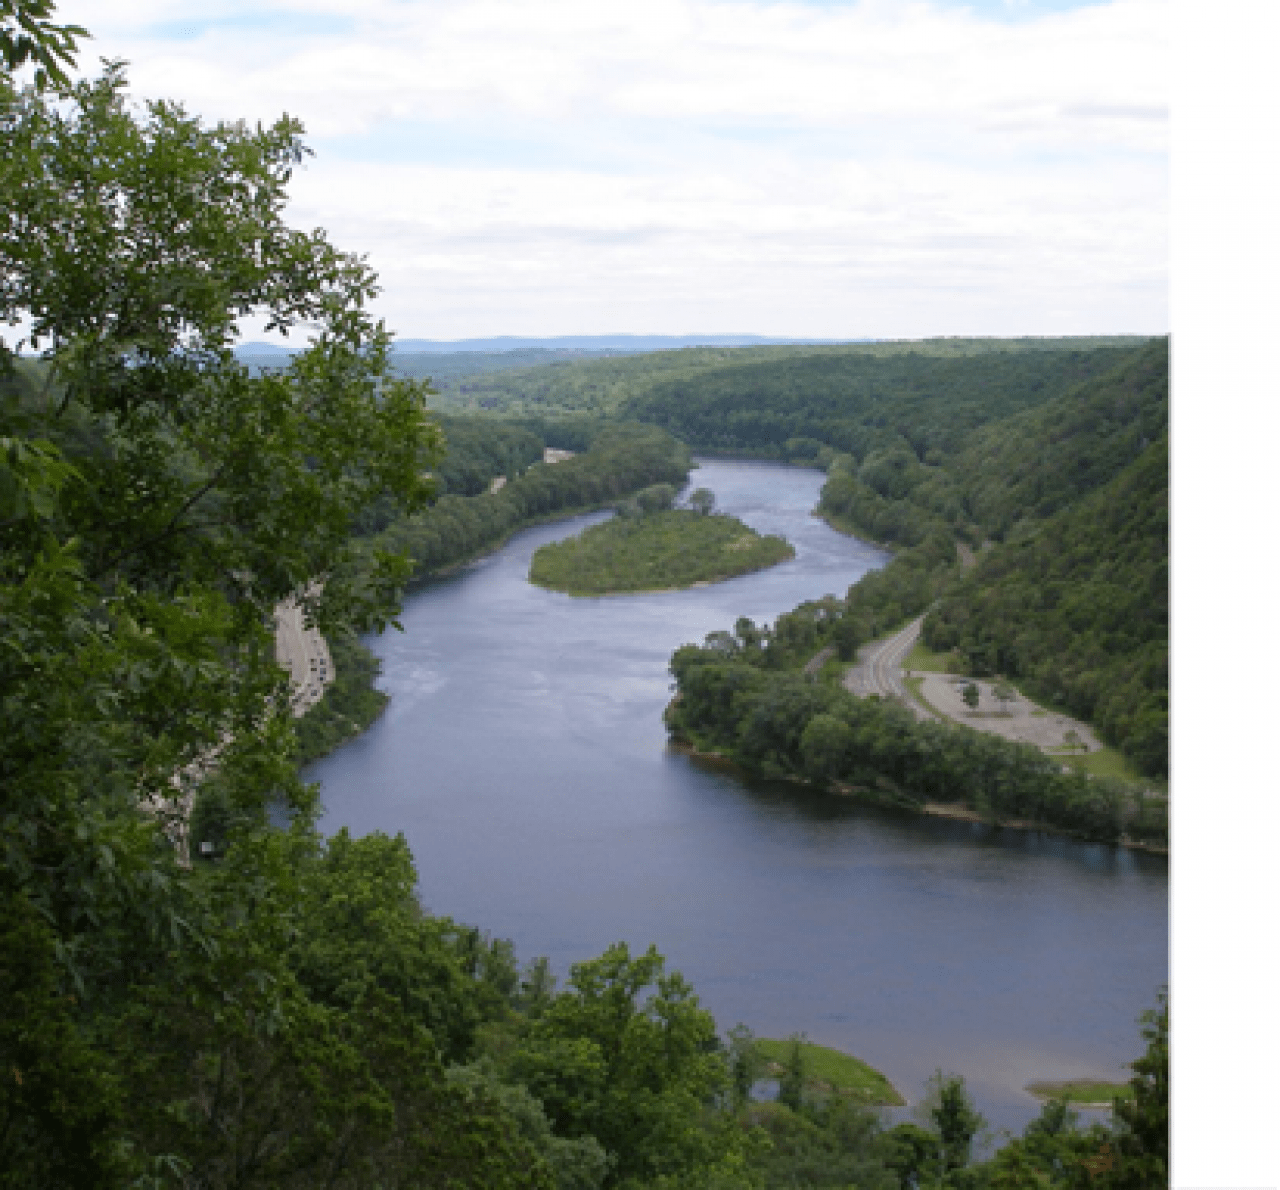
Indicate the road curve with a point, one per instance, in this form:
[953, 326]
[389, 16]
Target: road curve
[304, 652]
[879, 668]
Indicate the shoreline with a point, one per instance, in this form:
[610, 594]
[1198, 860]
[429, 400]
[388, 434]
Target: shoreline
[953, 810]
[420, 578]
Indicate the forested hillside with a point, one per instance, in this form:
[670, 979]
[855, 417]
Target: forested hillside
[622, 459]
[1069, 597]
[607, 386]
[1078, 611]
[860, 401]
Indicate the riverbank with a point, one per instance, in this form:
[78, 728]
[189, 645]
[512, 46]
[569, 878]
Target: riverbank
[1081, 1092]
[828, 1071]
[351, 703]
[885, 796]
[524, 758]
[422, 578]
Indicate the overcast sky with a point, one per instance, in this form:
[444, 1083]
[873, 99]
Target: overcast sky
[886, 168]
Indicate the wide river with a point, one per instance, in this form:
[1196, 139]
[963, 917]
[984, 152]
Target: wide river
[524, 758]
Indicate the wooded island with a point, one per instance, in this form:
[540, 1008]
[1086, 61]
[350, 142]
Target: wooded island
[663, 550]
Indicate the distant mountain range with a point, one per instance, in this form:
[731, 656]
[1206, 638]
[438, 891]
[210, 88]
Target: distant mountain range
[627, 343]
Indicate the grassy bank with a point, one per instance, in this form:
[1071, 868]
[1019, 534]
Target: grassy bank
[1082, 1091]
[829, 1072]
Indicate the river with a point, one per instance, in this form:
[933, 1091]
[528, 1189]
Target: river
[524, 758]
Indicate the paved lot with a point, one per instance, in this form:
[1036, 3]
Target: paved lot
[1019, 719]
[878, 670]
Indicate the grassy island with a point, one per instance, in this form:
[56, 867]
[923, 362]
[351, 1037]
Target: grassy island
[1086, 1092]
[656, 551]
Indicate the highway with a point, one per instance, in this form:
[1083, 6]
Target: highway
[879, 668]
[304, 653]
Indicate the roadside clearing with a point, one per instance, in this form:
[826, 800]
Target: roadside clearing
[878, 670]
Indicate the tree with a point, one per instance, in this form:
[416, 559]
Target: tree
[952, 1118]
[826, 747]
[657, 498]
[156, 502]
[970, 695]
[913, 1154]
[27, 35]
[791, 1080]
[1142, 1123]
[1130, 1153]
[746, 1064]
[702, 501]
[638, 1072]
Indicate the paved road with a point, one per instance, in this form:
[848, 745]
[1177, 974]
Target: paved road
[879, 668]
[304, 653]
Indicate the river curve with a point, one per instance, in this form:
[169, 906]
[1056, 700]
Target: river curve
[524, 758]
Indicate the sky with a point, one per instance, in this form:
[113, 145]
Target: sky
[880, 168]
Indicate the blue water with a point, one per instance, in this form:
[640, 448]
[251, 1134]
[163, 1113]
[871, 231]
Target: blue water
[524, 758]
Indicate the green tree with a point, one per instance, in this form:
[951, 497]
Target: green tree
[746, 1064]
[970, 695]
[638, 1072]
[702, 501]
[279, 1017]
[952, 1117]
[826, 747]
[28, 36]
[792, 1079]
[657, 498]
[1142, 1123]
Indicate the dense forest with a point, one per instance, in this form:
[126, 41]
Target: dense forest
[609, 387]
[1066, 503]
[622, 459]
[1078, 611]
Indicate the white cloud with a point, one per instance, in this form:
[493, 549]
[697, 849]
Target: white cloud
[877, 168]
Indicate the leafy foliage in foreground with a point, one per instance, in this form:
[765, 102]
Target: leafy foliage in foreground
[659, 551]
[287, 1015]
